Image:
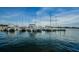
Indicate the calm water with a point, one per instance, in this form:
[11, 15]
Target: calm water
[45, 41]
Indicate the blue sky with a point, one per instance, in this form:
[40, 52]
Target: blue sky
[63, 16]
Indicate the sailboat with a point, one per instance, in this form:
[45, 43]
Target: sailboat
[58, 28]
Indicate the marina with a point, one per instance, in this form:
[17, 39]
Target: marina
[39, 29]
[33, 28]
[29, 29]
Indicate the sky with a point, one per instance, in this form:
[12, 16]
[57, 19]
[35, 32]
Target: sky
[22, 16]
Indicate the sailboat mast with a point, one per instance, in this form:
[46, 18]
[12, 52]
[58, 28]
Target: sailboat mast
[50, 20]
[35, 20]
[55, 22]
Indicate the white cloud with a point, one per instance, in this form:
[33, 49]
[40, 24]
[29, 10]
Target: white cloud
[64, 18]
[68, 18]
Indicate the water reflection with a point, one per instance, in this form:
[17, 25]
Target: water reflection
[11, 34]
[44, 41]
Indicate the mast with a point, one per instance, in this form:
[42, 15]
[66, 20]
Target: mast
[22, 19]
[50, 20]
[35, 19]
[56, 20]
